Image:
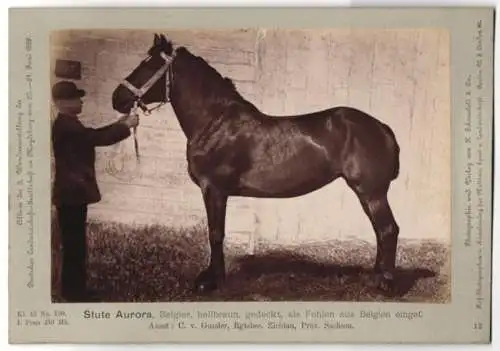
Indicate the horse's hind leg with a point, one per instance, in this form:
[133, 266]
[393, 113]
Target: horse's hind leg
[376, 206]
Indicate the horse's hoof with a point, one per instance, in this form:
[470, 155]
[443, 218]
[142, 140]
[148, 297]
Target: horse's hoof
[204, 287]
[387, 283]
[206, 282]
[382, 281]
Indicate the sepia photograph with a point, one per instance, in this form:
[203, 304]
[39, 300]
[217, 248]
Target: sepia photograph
[251, 164]
[250, 175]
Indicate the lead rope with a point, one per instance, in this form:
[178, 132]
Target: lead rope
[136, 142]
[166, 69]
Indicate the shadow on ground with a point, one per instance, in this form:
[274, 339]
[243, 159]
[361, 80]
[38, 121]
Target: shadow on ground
[156, 263]
[330, 281]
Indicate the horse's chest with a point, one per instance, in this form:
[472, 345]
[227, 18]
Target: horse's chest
[220, 164]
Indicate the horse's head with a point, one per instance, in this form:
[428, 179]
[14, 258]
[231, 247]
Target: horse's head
[148, 81]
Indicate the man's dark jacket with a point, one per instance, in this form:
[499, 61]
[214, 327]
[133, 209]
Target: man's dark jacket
[74, 151]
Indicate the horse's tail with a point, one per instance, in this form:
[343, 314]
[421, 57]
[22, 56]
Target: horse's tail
[395, 174]
[396, 151]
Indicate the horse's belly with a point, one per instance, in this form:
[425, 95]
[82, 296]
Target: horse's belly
[296, 176]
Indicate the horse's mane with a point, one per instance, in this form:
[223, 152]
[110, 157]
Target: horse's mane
[215, 86]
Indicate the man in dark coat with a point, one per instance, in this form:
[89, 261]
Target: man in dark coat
[75, 184]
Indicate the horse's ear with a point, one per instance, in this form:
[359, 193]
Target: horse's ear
[166, 45]
[157, 39]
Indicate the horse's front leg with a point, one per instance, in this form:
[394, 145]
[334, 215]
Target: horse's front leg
[215, 204]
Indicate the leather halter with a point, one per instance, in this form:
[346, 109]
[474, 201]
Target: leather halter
[139, 92]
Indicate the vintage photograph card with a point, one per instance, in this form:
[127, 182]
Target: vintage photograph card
[250, 175]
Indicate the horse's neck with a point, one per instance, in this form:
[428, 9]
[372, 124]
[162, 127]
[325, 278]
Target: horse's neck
[193, 113]
[195, 108]
[190, 121]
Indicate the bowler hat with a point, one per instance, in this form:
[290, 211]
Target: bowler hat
[65, 90]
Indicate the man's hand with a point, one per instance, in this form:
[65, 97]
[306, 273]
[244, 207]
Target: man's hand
[130, 120]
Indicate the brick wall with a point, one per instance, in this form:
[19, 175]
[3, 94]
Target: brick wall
[401, 77]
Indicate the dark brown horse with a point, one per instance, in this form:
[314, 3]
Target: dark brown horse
[233, 149]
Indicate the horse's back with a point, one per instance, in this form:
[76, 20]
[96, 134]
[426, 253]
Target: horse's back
[360, 146]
